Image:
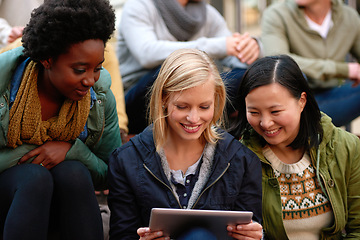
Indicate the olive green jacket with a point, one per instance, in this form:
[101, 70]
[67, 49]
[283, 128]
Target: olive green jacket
[102, 125]
[337, 165]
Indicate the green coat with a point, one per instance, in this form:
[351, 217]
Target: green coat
[339, 167]
[102, 124]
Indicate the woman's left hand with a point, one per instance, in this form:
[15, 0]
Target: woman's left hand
[249, 231]
[49, 154]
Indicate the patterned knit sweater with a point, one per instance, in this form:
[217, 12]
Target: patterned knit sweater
[306, 209]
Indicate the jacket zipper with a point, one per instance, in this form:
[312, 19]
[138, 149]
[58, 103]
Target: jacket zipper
[217, 179]
[162, 183]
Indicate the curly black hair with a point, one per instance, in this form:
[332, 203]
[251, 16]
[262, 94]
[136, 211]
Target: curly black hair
[58, 24]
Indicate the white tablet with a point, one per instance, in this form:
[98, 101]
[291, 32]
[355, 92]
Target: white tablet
[174, 222]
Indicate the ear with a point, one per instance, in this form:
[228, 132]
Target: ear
[303, 100]
[46, 63]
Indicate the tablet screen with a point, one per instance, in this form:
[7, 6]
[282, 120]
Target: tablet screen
[174, 222]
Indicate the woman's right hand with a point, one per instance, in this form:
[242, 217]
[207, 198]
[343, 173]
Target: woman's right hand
[146, 234]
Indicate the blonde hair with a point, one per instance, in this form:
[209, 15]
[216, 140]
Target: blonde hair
[184, 69]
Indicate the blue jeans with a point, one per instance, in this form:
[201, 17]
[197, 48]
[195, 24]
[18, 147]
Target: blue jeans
[196, 234]
[136, 99]
[342, 103]
[35, 201]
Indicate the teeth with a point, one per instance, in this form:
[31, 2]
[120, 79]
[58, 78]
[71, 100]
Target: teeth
[271, 132]
[190, 128]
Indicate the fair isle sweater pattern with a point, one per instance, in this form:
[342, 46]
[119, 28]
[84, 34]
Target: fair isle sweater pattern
[301, 195]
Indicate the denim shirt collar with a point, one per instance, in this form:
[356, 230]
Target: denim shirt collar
[15, 84]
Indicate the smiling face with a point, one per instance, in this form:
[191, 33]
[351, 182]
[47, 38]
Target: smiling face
[72, 74]
[274, 113]
[190, 112]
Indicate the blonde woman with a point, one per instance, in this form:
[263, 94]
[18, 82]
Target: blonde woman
[183, 159]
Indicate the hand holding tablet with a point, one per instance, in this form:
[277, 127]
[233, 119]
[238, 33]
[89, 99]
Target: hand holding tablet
[174, 222]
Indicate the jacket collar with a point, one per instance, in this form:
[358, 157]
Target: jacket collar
[224, 153]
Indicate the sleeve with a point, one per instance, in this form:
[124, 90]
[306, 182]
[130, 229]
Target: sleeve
[353, 199]
[355, 50]
[96, 157]
[274, 25]
[251, 194]
[125, 212]
[112, 65]
[140, 27]
[10, 157]
[5, 30]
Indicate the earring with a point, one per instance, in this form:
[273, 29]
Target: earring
[46, 64]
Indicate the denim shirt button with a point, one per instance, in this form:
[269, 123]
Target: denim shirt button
[99, 101]
[2, 105]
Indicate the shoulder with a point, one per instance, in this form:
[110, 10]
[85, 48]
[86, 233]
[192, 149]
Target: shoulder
[211, 10]
[233, 148]
[277, 6]
[138, 5]
[102, 86]
[8, 63]
[284, 9]
[337, 139]
[138, 147]
[344, 11]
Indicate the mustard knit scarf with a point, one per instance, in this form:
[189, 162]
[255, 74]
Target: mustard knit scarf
[26, 125]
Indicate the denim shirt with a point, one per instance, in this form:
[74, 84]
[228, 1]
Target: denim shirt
[15, 84]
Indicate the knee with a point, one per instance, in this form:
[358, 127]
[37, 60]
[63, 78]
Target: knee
[72, 175]
[35, 178]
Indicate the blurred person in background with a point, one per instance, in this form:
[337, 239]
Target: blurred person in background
[152, 29]
[319, 35]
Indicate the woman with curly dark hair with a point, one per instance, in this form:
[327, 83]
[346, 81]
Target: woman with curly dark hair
[58, 123]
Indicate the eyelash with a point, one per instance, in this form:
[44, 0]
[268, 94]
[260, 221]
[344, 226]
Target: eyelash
[180, 107]
[81, 71]
[183, 107]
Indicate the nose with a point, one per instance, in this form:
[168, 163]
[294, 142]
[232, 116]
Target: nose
[90, 79]
[266, 122]
[193, 116]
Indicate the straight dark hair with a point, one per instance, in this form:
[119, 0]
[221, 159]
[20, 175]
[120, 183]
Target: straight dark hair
[283, 70]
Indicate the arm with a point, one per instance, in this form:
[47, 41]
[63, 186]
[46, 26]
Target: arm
[112, 65]
[10, 157]
[5, 30]
[95, 157]
[251, 195]
[125, 212]
[149, 41]
[249, 199]
[353, 195]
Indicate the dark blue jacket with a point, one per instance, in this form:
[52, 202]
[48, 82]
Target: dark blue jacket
[138, 183]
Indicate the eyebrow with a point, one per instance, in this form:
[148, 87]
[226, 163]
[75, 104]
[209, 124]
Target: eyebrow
[274, 106]
[182, 102]
[85, 64]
